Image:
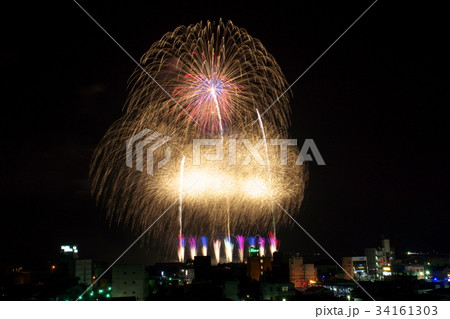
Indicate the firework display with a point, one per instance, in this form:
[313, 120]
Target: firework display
[204, 81]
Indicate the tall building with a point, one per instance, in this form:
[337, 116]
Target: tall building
[296, 271]
[310, 274]
[300, 274]
[130, 281]
[84, 271]
[355, 267]
[257, 265]
[202, 268]
[69, 251]
[379, 260]
[66, 261]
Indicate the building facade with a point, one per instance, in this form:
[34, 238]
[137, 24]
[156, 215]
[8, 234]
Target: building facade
[130, 281]
[379, 260]
[355, 267]
[301, 275]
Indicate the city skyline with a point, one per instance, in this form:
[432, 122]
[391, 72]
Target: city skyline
[372, 105]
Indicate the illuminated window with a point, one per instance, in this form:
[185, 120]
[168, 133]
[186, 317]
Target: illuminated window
[285, 288]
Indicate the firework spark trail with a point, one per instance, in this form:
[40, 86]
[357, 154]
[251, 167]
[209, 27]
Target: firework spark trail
[219, 114]
[193, 247]
[251, 241]
[262, 246]
[181, 247]
[180, 211]
[205, 245]
[216, 245]
[228, 249]
[269, 175]
[241, 243]
[180, 207]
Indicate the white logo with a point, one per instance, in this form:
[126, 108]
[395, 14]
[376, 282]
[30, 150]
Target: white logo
[150, 150]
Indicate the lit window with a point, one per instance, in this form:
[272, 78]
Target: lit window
[285, 288]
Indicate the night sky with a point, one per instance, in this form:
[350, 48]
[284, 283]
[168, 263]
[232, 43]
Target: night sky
[374, 105]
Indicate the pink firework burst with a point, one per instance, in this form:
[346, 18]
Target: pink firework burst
[207, 96]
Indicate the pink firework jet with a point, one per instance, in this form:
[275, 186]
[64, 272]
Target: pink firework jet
[181, 247]
[207, 98]
[193, 247]
[241, 243]
[262, 246]
[274, 243]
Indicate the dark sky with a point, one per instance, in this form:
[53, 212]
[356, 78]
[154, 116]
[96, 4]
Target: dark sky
[374, 105]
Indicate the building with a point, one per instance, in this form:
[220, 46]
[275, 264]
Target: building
[415, 270]
[231, 290]
[379, 260]
[341, 288]
[84, 271]
[409, 270]
[355, 267]
[256, 266]
[69, 251]
[186, 275]
[130, 281]
[202, 268]
[301, 275]
[276, 291]
[310, 274]
[296, 271]
[66, 262]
